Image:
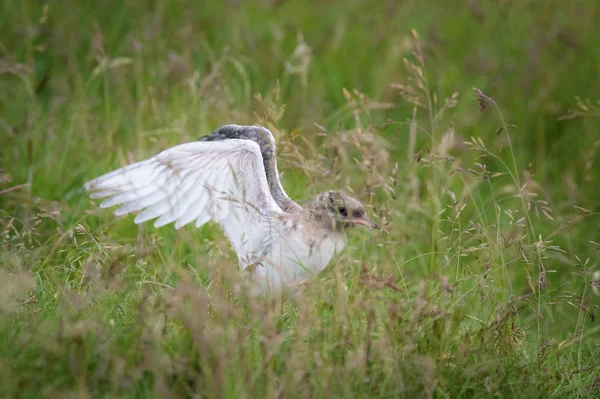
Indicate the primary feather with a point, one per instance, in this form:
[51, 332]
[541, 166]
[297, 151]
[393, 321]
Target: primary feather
[222, 181]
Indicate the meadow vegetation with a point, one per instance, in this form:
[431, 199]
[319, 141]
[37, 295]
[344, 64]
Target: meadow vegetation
[470, 129]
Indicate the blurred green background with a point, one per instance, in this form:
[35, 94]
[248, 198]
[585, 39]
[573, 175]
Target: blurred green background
[533, 57]
[87, 85]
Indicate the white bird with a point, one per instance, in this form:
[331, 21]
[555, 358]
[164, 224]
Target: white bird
[230, 176]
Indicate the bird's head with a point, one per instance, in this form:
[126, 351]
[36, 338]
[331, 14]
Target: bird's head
[345, 211]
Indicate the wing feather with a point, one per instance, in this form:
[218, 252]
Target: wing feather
[223, 181]
[264, 138]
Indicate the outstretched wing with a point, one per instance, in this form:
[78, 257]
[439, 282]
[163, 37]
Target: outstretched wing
[224, 181]
[265, 140]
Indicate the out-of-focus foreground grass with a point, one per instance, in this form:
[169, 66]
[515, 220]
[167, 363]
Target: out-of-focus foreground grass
[481, 285]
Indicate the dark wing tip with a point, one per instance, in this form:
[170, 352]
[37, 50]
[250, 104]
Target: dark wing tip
[226, 132]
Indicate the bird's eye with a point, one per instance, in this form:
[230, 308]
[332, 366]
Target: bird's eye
[342, 210]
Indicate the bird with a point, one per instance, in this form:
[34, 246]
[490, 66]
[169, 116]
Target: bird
[230, 177]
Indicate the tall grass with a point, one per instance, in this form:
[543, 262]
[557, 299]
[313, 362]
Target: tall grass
[483, 282]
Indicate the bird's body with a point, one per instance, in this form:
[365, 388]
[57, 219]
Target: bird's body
[231, 177]
[298, 251]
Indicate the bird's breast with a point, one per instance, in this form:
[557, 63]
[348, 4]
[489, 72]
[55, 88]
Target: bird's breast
[300, 252]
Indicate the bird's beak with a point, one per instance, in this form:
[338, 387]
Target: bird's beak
[365, 221]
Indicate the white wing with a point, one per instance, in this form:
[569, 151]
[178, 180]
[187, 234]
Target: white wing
[264, 138]
[223, 181]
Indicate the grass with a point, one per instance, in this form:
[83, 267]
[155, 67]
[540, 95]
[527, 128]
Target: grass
[483, 283]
